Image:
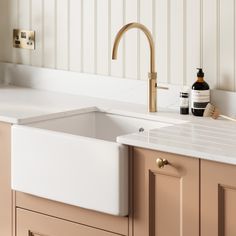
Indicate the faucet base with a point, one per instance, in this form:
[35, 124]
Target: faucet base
[152, 93]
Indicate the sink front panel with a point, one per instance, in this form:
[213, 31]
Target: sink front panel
[76, 170]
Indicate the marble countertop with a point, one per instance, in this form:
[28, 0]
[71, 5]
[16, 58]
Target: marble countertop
[190, 136]
[213, 140]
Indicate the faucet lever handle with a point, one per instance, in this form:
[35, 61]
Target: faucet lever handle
[161, 87]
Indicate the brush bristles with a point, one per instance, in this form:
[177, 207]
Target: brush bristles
[211, 111]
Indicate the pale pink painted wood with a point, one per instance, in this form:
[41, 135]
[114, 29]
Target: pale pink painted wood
[34, 224]
[218, 199]
[165, 201]
[6, 201]
[107, 222]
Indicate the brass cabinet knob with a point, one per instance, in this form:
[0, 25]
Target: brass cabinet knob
[161, 163]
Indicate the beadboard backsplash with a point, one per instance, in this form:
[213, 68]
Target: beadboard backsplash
[77, 35]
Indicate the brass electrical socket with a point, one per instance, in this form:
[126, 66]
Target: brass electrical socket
[24, 39]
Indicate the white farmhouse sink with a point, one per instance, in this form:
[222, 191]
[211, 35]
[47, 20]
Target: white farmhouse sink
[76, 160]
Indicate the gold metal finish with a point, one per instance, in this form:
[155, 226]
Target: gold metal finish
[24, 39]
[161, 163]
[152, 91]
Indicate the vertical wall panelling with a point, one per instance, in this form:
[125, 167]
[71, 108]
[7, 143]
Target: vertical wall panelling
[78, 35]
[75, 46]
[62, 34]
[37, 25]
[2, 16]
[161, 39]
[131, 41]
[103, 55]
[210, 41]
[117, 21]
[234, 46]
[227, 45]
[11, 53]
[177, 38]
[88, 36]
[146, 18]
[6, 23]
[49, 37]
[193, 39]
[24, 22]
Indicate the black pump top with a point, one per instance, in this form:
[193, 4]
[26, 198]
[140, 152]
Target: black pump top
[200, 73]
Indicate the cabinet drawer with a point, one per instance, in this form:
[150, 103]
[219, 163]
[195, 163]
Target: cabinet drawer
[34, 224]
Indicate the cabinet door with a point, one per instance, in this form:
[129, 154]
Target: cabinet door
[33, 224]
[5, 181]
[218, 199]
[165, 200]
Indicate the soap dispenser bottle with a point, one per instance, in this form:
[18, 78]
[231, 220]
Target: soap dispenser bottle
[200, 95]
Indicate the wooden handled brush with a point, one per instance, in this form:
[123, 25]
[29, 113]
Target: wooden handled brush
[214, 112]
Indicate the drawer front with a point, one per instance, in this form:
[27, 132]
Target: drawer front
[34, 224]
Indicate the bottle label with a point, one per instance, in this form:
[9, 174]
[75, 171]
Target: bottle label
[200, 99]
[184, 102]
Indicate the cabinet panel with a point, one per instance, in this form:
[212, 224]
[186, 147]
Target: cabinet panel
[33, 224]
[166, 200]
[5, 182]
[218, 199]
[107, 222]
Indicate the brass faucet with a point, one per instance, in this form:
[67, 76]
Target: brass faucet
[152, 91]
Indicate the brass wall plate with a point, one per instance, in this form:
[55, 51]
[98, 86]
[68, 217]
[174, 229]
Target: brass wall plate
[24, 39]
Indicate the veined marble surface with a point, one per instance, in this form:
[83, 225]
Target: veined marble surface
[208, 139]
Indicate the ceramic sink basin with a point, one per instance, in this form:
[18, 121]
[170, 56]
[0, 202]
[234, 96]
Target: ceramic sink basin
[76, 160]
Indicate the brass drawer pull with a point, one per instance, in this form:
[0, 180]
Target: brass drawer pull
[161, 163]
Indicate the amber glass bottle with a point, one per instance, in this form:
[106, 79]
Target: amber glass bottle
[200, 95]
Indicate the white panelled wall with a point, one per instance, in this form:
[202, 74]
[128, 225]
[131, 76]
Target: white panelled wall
[77, 35]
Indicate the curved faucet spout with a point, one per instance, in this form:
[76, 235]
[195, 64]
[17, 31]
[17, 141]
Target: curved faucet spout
[149, 37]
[152, 82]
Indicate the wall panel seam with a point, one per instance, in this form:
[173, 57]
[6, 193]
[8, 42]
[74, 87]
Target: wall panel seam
[68, 34]
[109, 37]
[234, 46]
[124, 41]
[201, 33]
[82, 38]
[138, 42]
[218, 43]
[184, 41]
[42, 35]
[18, 13]
[168, 41]
[55, 37]
[95, 36]
[30, 26]
[154, 19]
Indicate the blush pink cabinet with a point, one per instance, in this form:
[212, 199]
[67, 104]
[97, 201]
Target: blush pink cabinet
[165, 200]
[6, 195]
[218, 199]
[34, 224]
